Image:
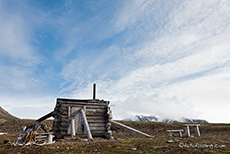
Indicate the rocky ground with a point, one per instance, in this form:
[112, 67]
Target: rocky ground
[214, 139]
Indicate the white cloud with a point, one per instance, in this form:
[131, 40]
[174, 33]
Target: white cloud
[17, 54]
[127, 16]
[158, 105]
[189, 59]
[196, 98]
[15, 39]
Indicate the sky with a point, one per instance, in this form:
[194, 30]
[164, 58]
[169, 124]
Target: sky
[163, 58]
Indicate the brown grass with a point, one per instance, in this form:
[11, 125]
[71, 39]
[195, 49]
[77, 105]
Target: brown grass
[214, 139]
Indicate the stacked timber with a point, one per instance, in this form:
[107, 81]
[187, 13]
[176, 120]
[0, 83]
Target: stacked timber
[69, 119]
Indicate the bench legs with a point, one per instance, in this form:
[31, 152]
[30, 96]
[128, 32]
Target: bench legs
[49, 138]
[197, 131]
[187, 131]
[170, 134]
[180, 134]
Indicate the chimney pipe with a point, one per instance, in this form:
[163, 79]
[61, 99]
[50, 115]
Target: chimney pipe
[94, 91]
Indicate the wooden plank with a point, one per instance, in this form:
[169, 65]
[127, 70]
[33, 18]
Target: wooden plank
[63, 129]
[64, 109]
[79, 100]
[97, 128]
[90, 114]
[98, 132]
[174, 130]
[56, 120]
[97, 120]
[64, 113]
[63, 133]
[132, 129]
[64, 121]
[97, 124]
[73, 133]
[87, 128]
[82, 103]
[69, 120]
[96, 114]
[56, 129]
[95, 107]
[75, 113]
[92, 105]
[95, 110]
[63, 118]
[95, 117]
[45, 117]
[98, 135]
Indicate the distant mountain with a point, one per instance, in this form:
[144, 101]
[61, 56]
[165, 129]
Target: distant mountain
[4, 115]
[155, 119]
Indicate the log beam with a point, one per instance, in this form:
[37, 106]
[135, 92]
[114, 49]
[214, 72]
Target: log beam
[86, 125]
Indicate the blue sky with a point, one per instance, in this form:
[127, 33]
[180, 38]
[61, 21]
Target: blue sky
[165, 58]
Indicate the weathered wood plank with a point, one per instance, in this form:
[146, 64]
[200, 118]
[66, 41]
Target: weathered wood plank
[60, 129]
[95, 117]
[98, 135]
[95, 110]
[87, 128]
[103, 114]
[76, 115]
[97, 120]
[83, 104]
[81, 100]
[88, 107]
[98, 132]
[97, 128]
[100, 125]
[97, 124]
[95, 107]
[94, 124]
[132, 129]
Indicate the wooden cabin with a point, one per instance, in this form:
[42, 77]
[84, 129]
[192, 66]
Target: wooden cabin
[81, 118]
[69, 118]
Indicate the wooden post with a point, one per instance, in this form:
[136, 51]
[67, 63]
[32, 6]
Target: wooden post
[197, 130]
[49, 138]
[36, 127]
[180, 134]
[45, 117]
[187, 131]
[86, 125]
[170, 134]
[73, 133]
[69, 120]
[94, 91]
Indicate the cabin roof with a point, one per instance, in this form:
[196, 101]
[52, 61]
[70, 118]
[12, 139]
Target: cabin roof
[78, 100]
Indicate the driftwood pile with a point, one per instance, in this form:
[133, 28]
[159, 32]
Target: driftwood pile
[30, 136]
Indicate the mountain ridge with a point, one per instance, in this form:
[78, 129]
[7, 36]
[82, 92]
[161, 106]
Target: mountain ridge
[4, 115]
[169, 120]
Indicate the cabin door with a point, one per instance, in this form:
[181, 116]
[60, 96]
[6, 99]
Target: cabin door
[78, 123]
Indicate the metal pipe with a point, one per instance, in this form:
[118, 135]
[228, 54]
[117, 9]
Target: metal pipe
[94, 91]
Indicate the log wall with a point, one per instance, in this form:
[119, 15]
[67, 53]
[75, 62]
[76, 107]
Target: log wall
[98, 115]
